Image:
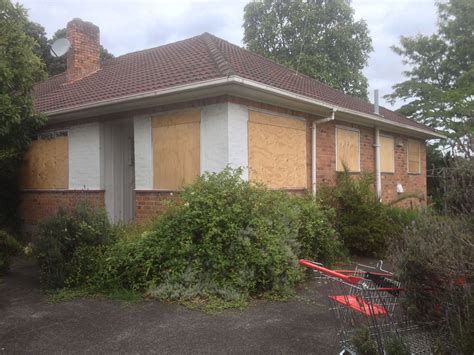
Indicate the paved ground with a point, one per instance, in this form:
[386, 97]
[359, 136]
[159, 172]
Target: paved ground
[28, 324]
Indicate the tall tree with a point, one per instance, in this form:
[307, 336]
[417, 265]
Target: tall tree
[20, 69]
[439, 91]
[319, 38]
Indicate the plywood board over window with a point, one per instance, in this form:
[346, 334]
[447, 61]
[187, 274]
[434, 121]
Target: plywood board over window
[348, 149]
[414, 157]
[176, 145]
[387, 154]
[277, 150]
[45, 164]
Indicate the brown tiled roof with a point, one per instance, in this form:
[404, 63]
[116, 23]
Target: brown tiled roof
[196, 59]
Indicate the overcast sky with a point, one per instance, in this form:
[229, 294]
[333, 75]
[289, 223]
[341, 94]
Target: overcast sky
[130, 25]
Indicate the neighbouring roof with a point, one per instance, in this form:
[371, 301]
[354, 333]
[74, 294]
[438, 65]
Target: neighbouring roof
[192, 60]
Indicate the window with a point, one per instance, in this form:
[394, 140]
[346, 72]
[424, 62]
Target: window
[414, 157]
[46, 163]
[347, 149]
[176, 149]
[277, 150]
[387, 154]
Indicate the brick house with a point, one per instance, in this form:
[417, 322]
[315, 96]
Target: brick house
[127, 133]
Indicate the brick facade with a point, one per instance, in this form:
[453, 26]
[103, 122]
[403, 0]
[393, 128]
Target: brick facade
[413, 184]
[149, 204]
[36, 205]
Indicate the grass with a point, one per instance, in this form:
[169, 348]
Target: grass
[213, 305]
[69, 294]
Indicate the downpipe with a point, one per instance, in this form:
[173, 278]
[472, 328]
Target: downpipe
[313, 149]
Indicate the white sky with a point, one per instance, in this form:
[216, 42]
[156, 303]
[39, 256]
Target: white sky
[130, 25]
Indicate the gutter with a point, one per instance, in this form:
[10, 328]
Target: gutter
[313, 150]
[140, 96]
[234, 79]
[302, 98]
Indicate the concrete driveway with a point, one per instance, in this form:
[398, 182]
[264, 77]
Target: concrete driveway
[28, 324]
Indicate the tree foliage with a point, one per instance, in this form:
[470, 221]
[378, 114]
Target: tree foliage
[54, 65]
[319, 38]
[20, 69]
[439, 91]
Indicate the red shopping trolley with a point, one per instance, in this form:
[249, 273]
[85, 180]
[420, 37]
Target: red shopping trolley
[369, 298]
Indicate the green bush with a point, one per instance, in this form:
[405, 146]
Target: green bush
[363, 343]
[62, 234]
[316, 232]
[435, 263]
[395, 345]
[365, 224]
[225, 239]
[9, 247]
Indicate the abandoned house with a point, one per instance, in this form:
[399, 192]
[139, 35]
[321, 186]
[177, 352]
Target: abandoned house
[127, 133]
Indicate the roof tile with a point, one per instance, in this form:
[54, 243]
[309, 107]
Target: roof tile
[199, 58]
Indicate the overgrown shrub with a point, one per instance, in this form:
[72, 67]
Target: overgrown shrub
[364, 223]
[435, 262]
[62, 234]
[459, 196]
[395, 345]
[225, 239]
[363, 343]
[9, 247]
[316, 232]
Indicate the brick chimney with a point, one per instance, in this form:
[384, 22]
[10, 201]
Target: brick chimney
[83, 58]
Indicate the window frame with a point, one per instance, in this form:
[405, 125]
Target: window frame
[408, 157]
[393, 156]
[347, 128]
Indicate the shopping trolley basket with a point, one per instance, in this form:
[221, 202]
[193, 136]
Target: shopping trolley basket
[369, 298]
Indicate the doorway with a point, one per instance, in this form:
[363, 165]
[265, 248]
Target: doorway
[119, 170]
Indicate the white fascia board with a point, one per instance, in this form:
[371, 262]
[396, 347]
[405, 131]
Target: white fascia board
[246, 83]
[141, 96]
[376, 118]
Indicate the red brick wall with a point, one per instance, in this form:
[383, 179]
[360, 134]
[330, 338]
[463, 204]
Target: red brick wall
[412, 183]
[38, 204]
[149, 204]
[326, 162]
[152, 203]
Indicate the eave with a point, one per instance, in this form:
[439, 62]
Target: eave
[237, 86]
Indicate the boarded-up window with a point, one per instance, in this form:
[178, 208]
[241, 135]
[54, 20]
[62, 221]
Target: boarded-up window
[348, 149]
[175, 149]
[45, 164]
[387, 154]
[277, 150]
[414, 157]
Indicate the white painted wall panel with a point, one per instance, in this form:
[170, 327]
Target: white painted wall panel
[237, 132]
[224, 137]
[143, 153]
[85, 155]
[214, 145]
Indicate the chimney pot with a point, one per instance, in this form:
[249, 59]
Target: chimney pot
[83, 58]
